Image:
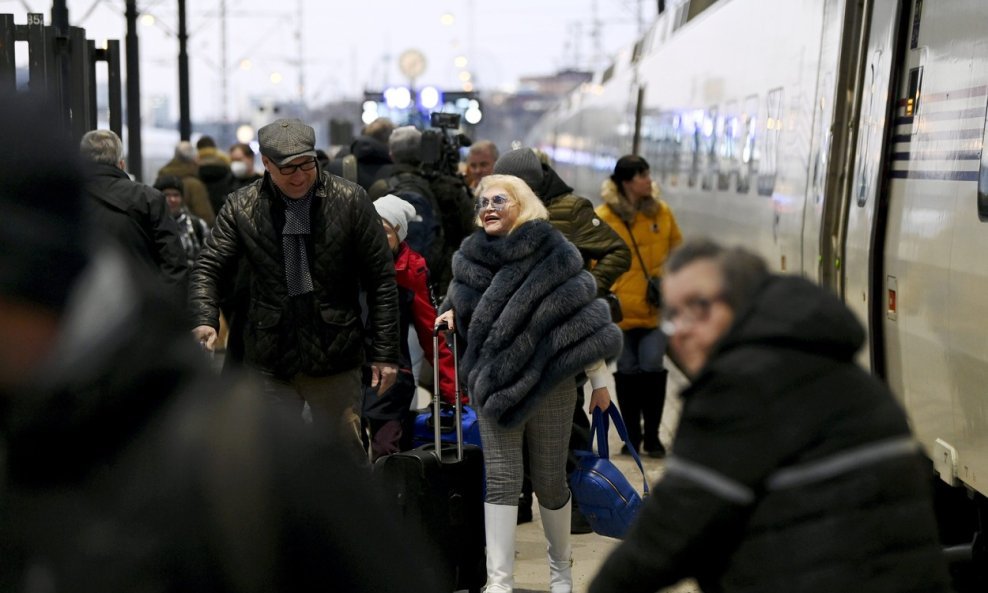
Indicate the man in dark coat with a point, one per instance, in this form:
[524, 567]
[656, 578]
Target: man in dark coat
[312, 241]
[126, 465]
[132, 213]
[370, 149]
[793, 469]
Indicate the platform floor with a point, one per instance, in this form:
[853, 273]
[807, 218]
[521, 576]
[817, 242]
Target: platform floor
[590, 550]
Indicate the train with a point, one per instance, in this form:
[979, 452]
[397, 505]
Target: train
[842, 140]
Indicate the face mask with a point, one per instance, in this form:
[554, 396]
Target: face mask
[239, 169]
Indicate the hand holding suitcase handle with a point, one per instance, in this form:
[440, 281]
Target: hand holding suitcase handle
[444, 323]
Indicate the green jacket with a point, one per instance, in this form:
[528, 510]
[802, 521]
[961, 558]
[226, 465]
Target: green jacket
[604, 253]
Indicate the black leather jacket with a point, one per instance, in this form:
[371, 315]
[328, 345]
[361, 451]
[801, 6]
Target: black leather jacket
[318, 333]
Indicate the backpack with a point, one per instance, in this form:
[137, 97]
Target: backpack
[424, 236]
[456, 205]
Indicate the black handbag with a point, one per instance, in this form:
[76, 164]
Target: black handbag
[615, 304]
[653, 284]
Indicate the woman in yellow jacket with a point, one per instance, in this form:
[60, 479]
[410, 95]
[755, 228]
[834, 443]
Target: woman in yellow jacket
[633, 209]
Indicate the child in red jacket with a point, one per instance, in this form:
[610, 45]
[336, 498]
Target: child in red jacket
[385, 414]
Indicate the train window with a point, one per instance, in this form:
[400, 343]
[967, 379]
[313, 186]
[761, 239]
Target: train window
[912, 99]
[709, 148]
[728, 134]
[917, 18]
[773, 129]
[608, 73]
[693, 125]
[983, 178]
[636, 51]
[749, 145]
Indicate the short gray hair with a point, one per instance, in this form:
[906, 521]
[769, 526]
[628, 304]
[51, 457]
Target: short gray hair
[742, 272]
[484, 146]
[184, 151]
[380, 129]
[405, 145]
[101, 146]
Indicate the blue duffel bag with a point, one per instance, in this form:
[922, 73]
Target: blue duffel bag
[423, 433]
[605, 497]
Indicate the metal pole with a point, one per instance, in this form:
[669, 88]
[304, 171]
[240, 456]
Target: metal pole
[301, 54]
[60, 22]
[134, 160]
[224, 75]
[184, 118]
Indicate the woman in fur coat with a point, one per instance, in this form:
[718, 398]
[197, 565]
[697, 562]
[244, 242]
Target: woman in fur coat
[525, 312]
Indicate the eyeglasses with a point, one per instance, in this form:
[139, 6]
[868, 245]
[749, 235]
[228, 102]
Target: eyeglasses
[290, 169]
[498, 203]
[694, 310]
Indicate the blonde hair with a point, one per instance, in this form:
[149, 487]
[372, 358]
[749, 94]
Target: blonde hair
[530, 207]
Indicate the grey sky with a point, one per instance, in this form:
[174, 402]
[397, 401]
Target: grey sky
[352, 45]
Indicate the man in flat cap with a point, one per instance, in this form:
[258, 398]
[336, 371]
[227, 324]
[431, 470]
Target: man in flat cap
[312, 241]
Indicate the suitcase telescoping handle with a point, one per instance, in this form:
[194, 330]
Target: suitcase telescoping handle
[458, 406]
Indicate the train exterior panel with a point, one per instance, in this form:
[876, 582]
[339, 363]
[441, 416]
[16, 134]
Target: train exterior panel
[841, 140]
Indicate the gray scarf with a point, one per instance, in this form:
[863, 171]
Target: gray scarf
[293, 234]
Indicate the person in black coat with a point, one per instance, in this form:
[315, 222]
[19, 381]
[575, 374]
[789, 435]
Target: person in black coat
[315, 246]
[127, 465]
[792, 469]
[133, 214]
[370, 149]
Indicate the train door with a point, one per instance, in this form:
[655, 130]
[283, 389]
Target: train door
[823, 136]
[866, 204]
[934, 276]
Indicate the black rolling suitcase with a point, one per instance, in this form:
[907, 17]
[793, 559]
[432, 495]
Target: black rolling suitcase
[442, 496]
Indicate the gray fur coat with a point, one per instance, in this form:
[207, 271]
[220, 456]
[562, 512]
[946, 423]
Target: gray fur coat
[527, 318]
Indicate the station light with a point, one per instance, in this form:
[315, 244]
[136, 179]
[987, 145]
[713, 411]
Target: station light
[429, 97]
[245, 134]
[370, 111]
[398, 97]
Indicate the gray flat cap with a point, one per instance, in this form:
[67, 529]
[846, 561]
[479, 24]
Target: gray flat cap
[284, 140]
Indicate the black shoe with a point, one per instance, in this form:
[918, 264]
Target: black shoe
[579, 524]
[524, 511]
[658, 452]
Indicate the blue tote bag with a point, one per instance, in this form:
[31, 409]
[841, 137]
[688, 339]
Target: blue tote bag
[606, 498]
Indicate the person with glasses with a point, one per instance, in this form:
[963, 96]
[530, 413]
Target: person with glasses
[633, 208]
[793, 469]
[528, 322]
[314, 246]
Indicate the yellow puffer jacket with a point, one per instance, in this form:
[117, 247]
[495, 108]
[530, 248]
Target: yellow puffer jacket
[656, 234]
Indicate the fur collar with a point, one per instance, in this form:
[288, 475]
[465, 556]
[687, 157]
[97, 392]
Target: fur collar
[530, 318]
[622, 206]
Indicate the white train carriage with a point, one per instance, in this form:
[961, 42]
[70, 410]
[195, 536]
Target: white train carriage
[842, 140]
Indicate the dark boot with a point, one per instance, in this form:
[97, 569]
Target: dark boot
[578, 523]
[629, 402]
[652, 386]
[525, 499]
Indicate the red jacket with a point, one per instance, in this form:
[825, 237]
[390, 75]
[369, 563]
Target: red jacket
[412, 275]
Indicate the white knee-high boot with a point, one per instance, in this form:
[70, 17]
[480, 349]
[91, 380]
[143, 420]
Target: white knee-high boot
[499, 524]
[556, 525]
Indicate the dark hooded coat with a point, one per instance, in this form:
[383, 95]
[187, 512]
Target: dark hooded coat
[527, 316]
[128, 466]
[793, 469]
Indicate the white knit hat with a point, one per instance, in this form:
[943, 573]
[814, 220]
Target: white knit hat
[397, 212]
